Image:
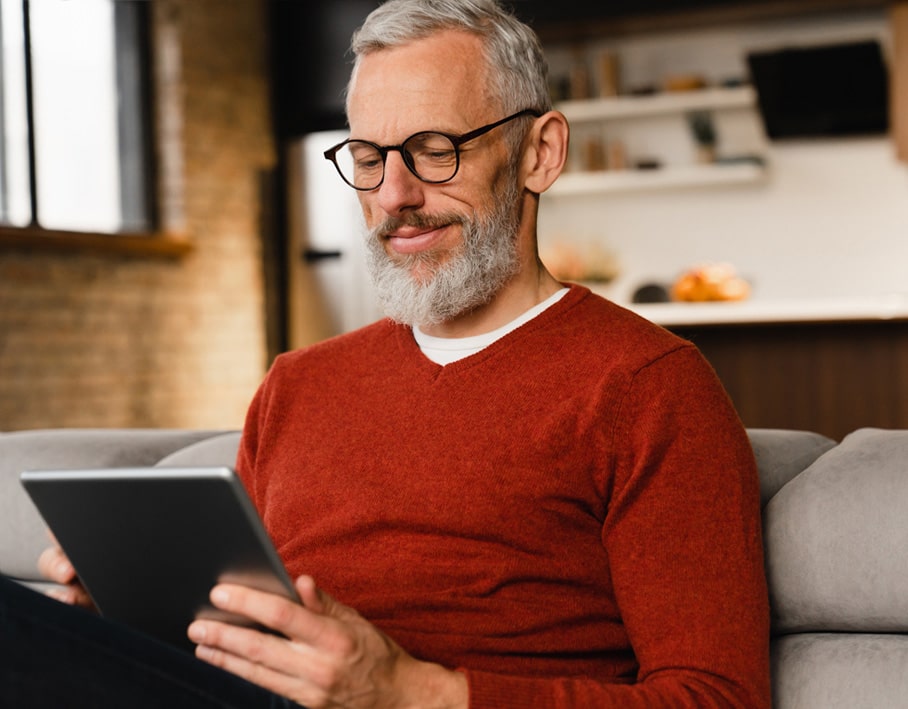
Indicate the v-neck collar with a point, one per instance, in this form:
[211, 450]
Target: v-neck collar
[410, 348]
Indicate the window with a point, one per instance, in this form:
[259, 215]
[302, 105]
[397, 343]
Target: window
[75, 151]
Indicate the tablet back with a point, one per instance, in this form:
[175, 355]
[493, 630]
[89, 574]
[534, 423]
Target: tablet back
[150, 543]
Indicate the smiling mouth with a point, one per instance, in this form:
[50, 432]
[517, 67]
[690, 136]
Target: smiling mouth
[412, 232]
[415, 232]
[406, 241]
[413, 225]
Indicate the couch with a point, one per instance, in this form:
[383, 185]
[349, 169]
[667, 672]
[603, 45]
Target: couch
[835, 530]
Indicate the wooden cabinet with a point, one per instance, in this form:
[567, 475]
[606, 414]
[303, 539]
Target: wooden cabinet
[898, 79]
[827, 377]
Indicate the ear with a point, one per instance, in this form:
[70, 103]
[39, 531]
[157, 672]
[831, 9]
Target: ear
[546, 151]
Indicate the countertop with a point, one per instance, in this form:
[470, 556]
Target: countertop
[766, 311]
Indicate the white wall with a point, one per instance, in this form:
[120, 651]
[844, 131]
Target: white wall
[830, 221]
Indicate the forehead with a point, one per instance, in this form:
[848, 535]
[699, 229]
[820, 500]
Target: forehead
[433, 83]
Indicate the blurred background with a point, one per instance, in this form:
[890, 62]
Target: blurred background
[168, 225]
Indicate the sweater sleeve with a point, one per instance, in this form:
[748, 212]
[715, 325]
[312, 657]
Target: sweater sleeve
[247, 453]
[683, 539]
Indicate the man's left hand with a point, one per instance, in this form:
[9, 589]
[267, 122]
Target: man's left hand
[329, 655]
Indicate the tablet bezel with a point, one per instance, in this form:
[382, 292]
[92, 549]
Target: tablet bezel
[148, 544]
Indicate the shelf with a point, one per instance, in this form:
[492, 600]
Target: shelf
[623, 107]
[585, 183]
[673, 105]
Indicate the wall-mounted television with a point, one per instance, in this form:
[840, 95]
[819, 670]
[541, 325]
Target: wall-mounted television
[829, 90]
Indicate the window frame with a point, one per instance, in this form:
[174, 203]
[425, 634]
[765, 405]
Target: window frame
[139, 150]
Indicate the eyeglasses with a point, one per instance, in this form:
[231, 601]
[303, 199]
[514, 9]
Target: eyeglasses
[432, 156]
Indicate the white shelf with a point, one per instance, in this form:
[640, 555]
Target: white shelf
[584, 183]
[622, 107]
[671, 104]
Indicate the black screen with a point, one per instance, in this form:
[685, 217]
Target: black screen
[822, 91]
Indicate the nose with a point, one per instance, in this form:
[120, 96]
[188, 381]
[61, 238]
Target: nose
[401, 190]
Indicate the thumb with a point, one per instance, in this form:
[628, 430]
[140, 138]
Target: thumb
[317, 601]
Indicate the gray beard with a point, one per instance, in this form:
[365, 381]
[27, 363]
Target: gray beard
[487, 260]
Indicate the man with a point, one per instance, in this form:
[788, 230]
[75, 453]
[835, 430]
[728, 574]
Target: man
[530, 496]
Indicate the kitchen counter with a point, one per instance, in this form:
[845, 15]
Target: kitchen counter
[829, 365]
[758, 311]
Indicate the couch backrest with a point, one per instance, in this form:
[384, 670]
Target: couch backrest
[216, 450]
[781, 454]
[22, 532]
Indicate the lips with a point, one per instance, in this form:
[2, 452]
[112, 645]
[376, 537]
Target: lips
[408, 240]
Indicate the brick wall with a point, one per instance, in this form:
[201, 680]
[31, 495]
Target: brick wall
[98, 339]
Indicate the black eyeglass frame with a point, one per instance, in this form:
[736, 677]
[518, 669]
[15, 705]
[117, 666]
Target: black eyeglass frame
[456, 141]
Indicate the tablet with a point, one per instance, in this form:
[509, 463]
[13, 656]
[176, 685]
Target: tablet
[149, 543]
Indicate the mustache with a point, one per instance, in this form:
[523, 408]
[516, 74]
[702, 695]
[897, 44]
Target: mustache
[419, 220]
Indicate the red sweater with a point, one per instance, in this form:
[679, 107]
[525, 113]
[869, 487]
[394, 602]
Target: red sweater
[570, 516]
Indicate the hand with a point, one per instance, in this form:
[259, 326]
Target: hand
[329, 655]
[55, 566]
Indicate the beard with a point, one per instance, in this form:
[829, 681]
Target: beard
[447, 287]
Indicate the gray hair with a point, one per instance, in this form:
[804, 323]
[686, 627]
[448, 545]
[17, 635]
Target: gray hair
[518, 72]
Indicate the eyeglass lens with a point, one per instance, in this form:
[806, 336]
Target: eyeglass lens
[431, 156]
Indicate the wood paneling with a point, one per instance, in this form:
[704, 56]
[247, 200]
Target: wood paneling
[899, 78]
[829, 378]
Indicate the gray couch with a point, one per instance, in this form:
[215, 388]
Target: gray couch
[835, 529]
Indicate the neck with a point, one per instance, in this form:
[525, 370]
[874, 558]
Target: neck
[532, 285]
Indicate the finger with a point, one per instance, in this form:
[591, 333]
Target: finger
[309, 594]
[293, 685]
[323, 603]
[72, 595]
[266, 660]
[275, 612]
[218, 638]
[56, 566]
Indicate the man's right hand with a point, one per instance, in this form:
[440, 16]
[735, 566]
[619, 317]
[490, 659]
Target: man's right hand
[55, 566]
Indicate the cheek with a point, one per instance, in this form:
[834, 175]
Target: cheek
[487, 184]
[371, 214]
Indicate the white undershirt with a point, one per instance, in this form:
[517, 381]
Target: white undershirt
[444, 350]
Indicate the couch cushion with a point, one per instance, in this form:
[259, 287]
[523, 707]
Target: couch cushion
[840, 671]
[781, 454]
[22, 532]
[836, 539]
[217, 450]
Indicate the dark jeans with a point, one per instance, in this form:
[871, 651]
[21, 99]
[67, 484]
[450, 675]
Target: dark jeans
[56, 657]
